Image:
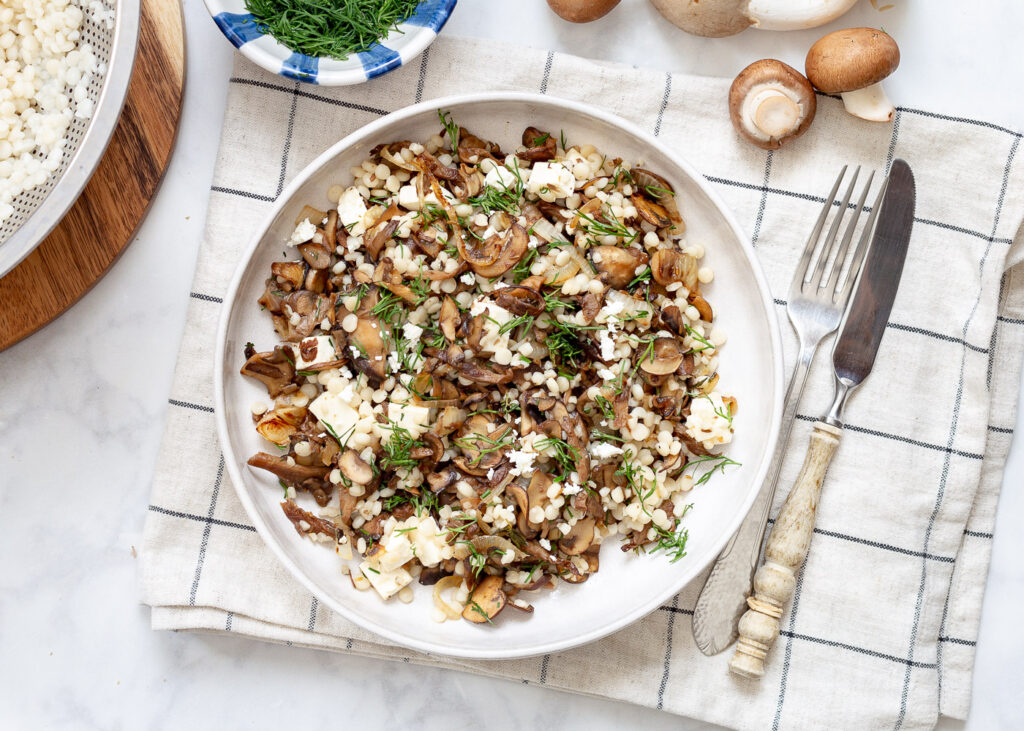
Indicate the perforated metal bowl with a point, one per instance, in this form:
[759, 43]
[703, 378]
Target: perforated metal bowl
[38, 211]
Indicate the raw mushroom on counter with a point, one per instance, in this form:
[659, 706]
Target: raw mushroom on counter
[582, 11]
[771, 103]
[717, 18]
[852, 63]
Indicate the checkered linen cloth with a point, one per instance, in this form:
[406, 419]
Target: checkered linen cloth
[881, 631]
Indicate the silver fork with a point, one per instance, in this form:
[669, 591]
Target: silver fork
[816, 305]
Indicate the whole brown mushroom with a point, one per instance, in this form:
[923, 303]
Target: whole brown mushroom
[771, 103]
[852, 63]
[582, 11]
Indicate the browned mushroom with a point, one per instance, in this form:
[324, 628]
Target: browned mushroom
[369, 341]
[665, 356]
[669, 265]
[289, 273]
[448, 318]
[539, 145]
[520, 300]
[292, 474]
[273, 368]
[311, 309]
[355, 468]
[472, 149]
[661, 190]
[579, 537]
[438, 481]
[376, 237]
[702, 306]
[616, 265]
[305, 522]
[318, 256]
[498, 253]
[486, 601]
[654, 213]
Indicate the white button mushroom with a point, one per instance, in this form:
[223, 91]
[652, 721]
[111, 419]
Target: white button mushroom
[852, 63]
[717, 18]
[771, 103]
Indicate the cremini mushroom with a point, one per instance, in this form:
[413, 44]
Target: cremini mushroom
[771, 103]
[661, 190]
[582, 11]
[486, 600]
[669, 265]
[717, 18]
[293, 474]
[664, 357]
[616, 266]
[369, 344]
[852, 63]
[579, 537]
[273, 368]
[355, 467]
[498, 253]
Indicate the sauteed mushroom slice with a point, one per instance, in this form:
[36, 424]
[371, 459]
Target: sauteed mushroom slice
[486, 601]
[318, 256]
[665, 356]
[292, 474]
[579, 537]
[472, 149]
[273, 368]
[669, 265]
[498, 253]
[539, 145]
[355, 468]
[654, 213]
[706, 314]
[369, 341]
[617, 265]
[290, 274]
[520, 300]
[305, 522]
[661, 190]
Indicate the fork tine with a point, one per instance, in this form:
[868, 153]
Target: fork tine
[804, 265]
[833, 280]
[862, 247]
[833, 234]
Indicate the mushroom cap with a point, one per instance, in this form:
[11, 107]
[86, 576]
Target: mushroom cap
[766, 74]
[709, 18]
[851, 59]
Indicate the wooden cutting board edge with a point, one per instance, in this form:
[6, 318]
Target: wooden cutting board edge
[98, 228]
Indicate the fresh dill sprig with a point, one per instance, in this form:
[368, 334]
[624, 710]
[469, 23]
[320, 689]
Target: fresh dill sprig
[644, 276]
[718, 464]
[329, 29]
[705, 344]
[450, 127]
[565, 454]
[561, 137]
[612, 227]
[397, 449]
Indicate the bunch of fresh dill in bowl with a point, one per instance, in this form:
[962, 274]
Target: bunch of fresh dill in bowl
[334, 28]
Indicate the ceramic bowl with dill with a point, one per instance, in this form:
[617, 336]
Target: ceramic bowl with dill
[330, 42]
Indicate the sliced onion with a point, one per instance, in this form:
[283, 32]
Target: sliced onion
[448, 582]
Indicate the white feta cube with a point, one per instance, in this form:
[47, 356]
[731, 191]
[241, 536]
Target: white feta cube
[553, 177]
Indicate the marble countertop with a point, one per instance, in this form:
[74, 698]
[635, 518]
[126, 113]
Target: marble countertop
[81, 432]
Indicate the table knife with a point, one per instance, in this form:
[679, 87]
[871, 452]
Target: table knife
[853, 356]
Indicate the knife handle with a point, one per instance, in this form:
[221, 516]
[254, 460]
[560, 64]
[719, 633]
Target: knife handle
[787, 547]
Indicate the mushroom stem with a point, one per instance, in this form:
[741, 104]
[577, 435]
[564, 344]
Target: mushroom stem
[774, 113]
[869, 103]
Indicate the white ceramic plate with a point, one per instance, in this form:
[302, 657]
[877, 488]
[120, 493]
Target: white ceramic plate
[628, 586]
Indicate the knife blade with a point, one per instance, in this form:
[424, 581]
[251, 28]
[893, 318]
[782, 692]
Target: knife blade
[861, 334]
[853, 356]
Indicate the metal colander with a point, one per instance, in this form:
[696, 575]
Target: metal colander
[38, 211]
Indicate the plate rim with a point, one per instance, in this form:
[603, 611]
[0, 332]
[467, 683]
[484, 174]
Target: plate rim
[367, 131]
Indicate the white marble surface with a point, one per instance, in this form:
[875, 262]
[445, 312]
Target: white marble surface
[82, 403]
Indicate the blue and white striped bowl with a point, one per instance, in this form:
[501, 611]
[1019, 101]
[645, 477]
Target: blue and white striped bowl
[400, 47]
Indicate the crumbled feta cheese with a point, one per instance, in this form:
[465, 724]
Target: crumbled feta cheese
[522, 462]
[468, 278]
[387, 583]
[604, 450]
[607, 343]
[707, 422]
[545, 544]
[551, 176]
[414, 419]
[412, 331]
[351, 209]
[500, 177]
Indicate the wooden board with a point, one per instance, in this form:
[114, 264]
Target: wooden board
[103, 221]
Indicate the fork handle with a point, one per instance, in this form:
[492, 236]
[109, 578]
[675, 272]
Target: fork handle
[787, 547]
[723, 597]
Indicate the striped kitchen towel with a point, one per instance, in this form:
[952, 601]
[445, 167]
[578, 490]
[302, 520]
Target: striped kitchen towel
[882, 629]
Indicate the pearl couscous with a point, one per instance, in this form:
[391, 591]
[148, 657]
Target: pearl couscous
[497, 362]
[45, 72]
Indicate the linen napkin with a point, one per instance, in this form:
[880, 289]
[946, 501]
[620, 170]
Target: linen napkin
[882, 629]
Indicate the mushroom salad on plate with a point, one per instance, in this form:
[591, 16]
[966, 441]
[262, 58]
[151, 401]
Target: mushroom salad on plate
[497, 362]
